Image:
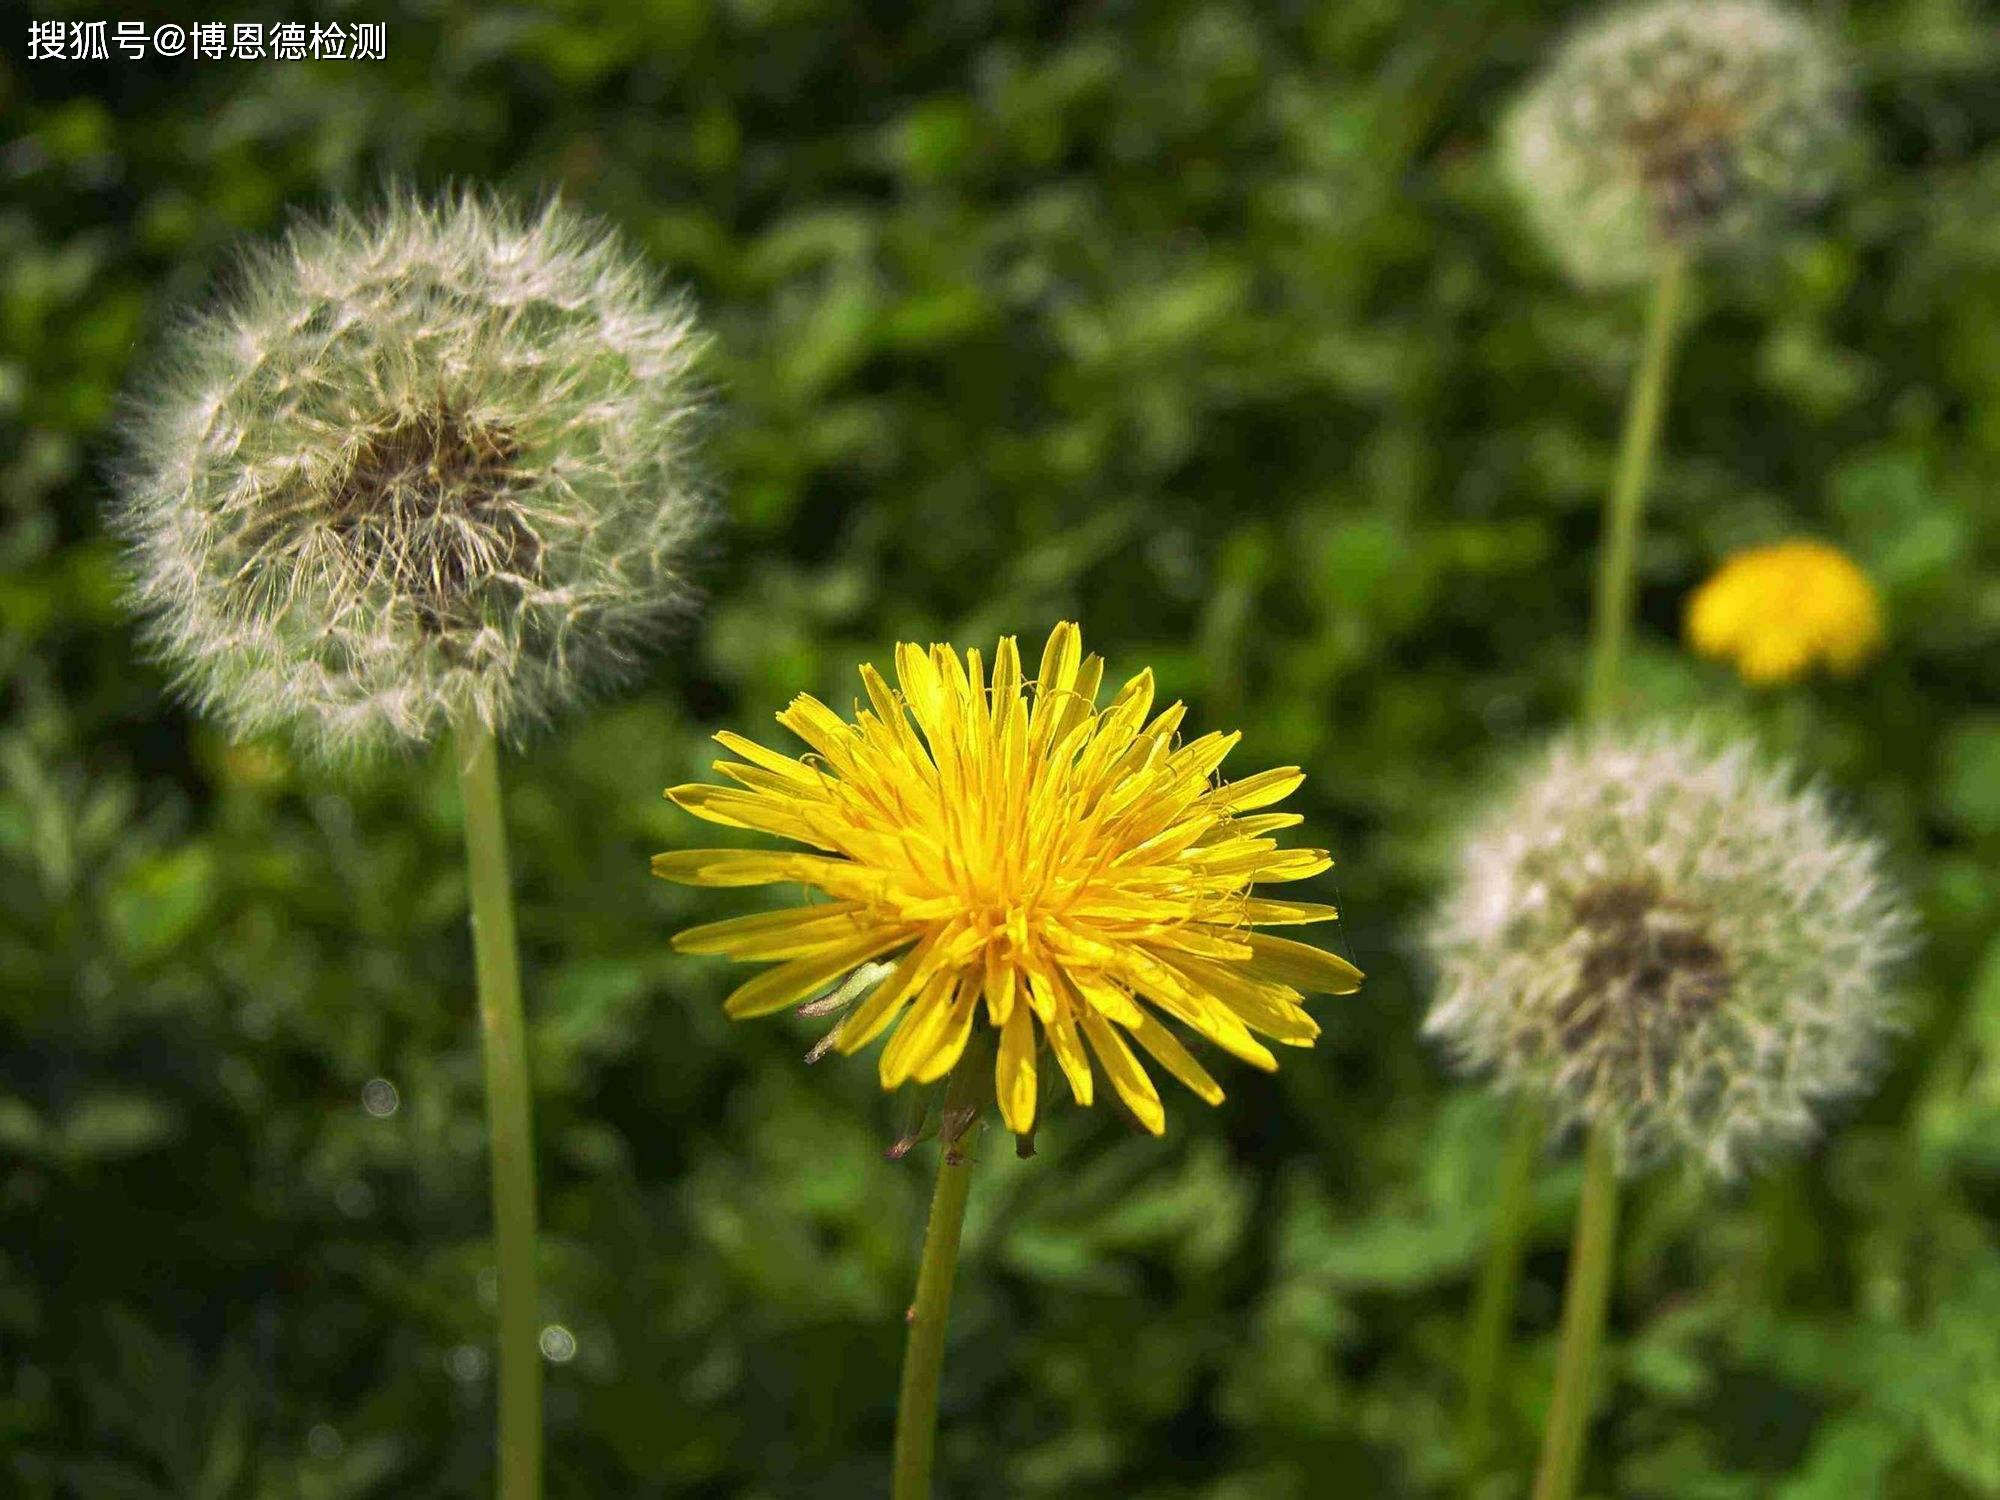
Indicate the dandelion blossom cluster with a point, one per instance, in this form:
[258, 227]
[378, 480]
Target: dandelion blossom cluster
[1672, 940]
[424, 466]
[1008, 849]
[1779, 611]
[1688, 124]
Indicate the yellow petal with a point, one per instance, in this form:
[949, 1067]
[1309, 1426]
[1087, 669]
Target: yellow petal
[1177, 985]
[1060, 1027]
[1168, 843]
[1014, 1072]
[1135, 698]
[1175, 1058]
[1263, 823]
[1302, 966]
[979, 708]
[790, 933]
[1059, 661]
[917, 674]
[1257, 791]
[1106, 999]
[1166, 724]
[919, 1031]
[1235, 859]
[1006, 675]
[792, 770]
[953, 674]
[823, 729]
[1200, 757]
[1076, 710]
[880, 694]
[738, 809]
[1123, 1069]
[1263, 913]
[1292, 864]
[951, 1041]
[1268, 1008]
[747, 867]
[757, 779]
[1224, 944]
[1119, 724]
[999, 987]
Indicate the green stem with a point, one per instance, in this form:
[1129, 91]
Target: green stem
[1493, 1307]
[1625, 504]
[1582, 1320]
[923, 1356]
[1617, 565]
[497, 964]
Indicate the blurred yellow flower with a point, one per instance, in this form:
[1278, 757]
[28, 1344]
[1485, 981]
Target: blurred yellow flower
[1779, 611]
[1074, 868]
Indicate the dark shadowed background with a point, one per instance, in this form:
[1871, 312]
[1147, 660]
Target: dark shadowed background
[1206, 324]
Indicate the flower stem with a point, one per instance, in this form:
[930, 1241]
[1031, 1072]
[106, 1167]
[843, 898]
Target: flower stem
[507, 1109]
[1493, 1307]
[923, 1355]
[1617, 562]
[1625, 504]
[1582, 1320]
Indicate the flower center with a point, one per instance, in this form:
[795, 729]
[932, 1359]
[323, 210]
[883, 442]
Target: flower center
[1648, 976]
[1687, 160]
[425, 507]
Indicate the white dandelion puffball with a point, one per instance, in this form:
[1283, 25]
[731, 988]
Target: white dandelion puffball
[1670, 939]
[425, 466]
[1686, 125]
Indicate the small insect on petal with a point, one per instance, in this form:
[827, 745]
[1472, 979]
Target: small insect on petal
[789, 983]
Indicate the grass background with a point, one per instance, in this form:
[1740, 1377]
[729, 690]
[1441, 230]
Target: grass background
[1207, 324]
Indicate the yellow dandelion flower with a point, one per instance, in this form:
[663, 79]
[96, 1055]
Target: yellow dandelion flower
[1779, 611]
[1006, 841]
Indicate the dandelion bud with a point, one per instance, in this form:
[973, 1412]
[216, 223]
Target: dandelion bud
[1672, 941]
[1689, 124]
[424, 466]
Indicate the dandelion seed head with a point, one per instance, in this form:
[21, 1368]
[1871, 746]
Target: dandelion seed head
[425, 465]
[1672, 939]
[1685, 125]
[1001, 848]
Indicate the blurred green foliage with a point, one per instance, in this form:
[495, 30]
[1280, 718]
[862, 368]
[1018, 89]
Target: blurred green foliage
[1204, 322]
